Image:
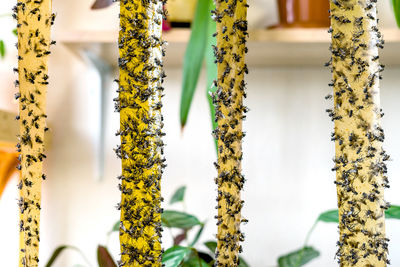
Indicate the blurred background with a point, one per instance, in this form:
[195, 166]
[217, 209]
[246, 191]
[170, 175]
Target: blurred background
[287, 151]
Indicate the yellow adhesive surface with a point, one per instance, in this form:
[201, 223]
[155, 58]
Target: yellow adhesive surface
[139, 103]
[34, 19]
[231, 37]
[359, 154]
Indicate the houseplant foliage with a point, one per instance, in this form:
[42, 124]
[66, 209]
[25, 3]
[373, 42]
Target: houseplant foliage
[183, 252]
[141, 149]
[359, 160]
[307, 253]
[34, 19]
[230, 17]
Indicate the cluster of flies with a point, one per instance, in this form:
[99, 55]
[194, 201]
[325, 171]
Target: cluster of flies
[141, 150]
[232, 33]
[33, 28]
[360, 159]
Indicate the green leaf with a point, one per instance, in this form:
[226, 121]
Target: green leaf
[195, 261]
[178, 219]
[211, 245]
[393, 212]
[173, 256]
[104, 258]
[15, 32]
[333, 215]
[396, 9]
[298, 258]
[243, 263]
[197, 236]
[194, 57]
[211, 68]
[2, 49]
[115, 227]
[179, 195]
[329, 216]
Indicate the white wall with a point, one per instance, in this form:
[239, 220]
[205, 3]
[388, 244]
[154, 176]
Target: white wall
[287, 156]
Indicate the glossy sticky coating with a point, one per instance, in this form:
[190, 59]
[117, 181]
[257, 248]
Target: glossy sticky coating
[34, 21]
[141, 149]
[230, 16]
[360, 160]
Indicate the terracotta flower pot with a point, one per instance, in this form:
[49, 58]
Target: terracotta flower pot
[303, 13]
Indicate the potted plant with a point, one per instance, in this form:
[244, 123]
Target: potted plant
[303, 13]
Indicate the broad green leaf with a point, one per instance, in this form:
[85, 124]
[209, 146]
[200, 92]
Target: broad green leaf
[179, 195]
[178, 219]
[173, 256]
[211, 245]
[393, 212]
[2, 49]
[329, 216]
[243, 263]
[104, 258]
[194, 57]
[197, 236]
[211, 67]
[15, 32]
[396, 9]
[298, 258]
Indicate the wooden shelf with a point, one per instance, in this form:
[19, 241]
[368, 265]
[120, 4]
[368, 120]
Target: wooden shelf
[277, 47]
[182, 36]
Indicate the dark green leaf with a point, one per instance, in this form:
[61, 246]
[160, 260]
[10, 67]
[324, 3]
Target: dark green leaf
[211, 67]
[195, 261]
[178, 195]
[173, 256]
[243, 263]
[206, 257]
[393, 212]
[396, 8]
[211, 245]
[2, 49]
[197, 236]
[194, 57]
[55, 255]
[178, 219]
[104, 258]
[298, 258]
[329, 216]
[15, 32]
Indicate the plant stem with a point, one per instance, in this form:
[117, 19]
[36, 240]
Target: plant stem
[310, 232]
